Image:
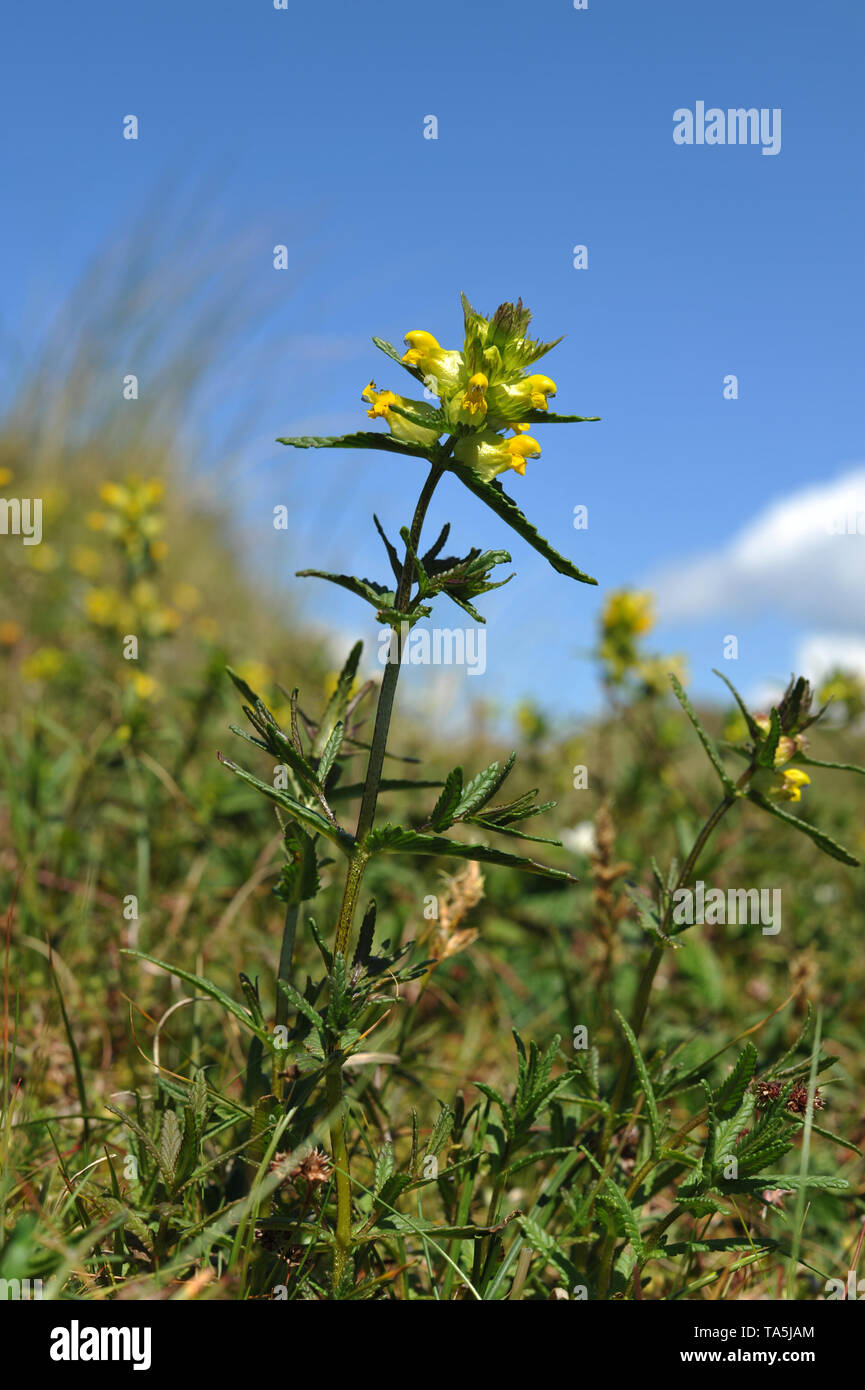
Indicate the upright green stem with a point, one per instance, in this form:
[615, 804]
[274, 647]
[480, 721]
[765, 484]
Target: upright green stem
[357, 866]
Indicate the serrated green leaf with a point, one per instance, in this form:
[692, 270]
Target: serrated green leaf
[753, 727]
[711, 751]
[360, 439]
[390, 839]
[820, 838]
[329, 756]
[170, 1140]
[295, 808]
[495, 497]
[302, 1005]
[549, 417]
[443, 811]
[206, 986]
[385, 1165]
[730, 1094]
[367, 589]
[645, 1079]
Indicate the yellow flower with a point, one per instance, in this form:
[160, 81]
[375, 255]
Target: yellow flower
[790, 789]
[380, 401]
[475, 400]
[114, 495]
[6, 476]
[104, 607]
[440, 367]
[86, 561]
[96, 521]
[627, 611]
[488, 454]
[508, 401]
[43, 664]
[145, 687]
[381, 408]
[144, 595]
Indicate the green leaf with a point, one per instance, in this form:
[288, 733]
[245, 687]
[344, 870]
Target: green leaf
[712, 752]
[443, 811]
[820, 838]
[720, 1246]
[441, 1131]
[792, 1181]
[396, 356]
[482, 787]
[649, 917]
[390, 839]
[170, 1140]
[753, 727]
[328, 757]
[423, 414]
[207, 987]
[645, 1079]
[372, 592]
[769, 745]
[620, 1204]
[495, 497]
[731, 1092]
[839, 767]
[361, 439]
[302, 1005]
[385, 1166]
[295, 808]
[549, 417]
[337, 704]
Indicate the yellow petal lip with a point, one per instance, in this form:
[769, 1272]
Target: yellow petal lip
[419, 341]
[525, 447]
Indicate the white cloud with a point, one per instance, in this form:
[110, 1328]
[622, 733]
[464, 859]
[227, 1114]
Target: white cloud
[802, 556]
[820, 653]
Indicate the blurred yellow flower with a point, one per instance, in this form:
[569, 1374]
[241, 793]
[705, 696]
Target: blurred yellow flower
[43, 664]
[86, 561]
[626, 610]
[258, 676]
[104, 606]
[144, 595]
[146, 687]
[6, 476]
[43, 558]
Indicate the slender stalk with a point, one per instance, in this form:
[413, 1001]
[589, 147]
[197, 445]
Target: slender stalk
[357, 865]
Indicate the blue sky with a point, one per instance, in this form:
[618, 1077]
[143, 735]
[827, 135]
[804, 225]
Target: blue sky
[305, 127]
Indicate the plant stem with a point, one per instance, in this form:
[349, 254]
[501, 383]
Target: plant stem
[357, 865]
